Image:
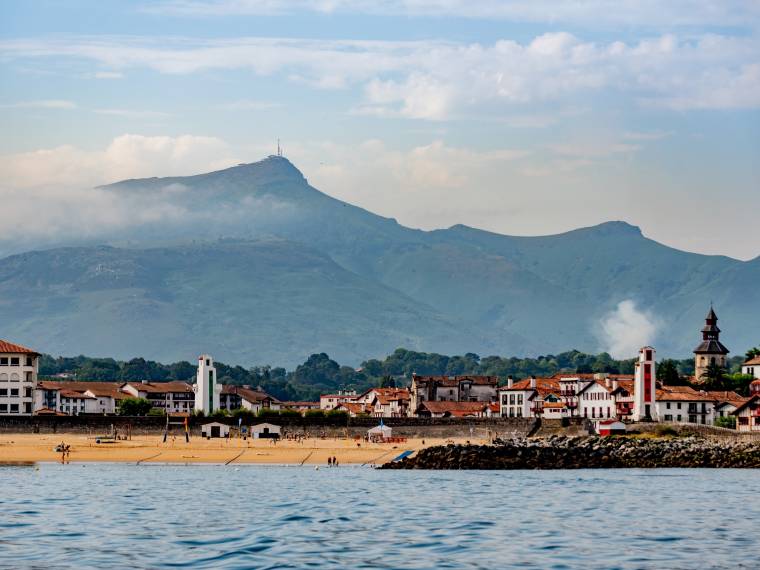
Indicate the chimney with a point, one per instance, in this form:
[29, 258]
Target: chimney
[532, 381]
[614, 385]
[510, 381]
[607, 382]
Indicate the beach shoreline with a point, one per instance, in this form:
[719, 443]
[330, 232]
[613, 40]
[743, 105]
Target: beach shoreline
[26, 448]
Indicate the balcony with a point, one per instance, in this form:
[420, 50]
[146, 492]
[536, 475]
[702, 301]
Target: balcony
[537, 409]
[571, 405]
[567, 393]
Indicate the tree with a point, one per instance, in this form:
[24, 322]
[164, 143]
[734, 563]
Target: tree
[134, 407]
[667, 373]
[714, 378]
[726, 422]
[388, 382]
[752, 353]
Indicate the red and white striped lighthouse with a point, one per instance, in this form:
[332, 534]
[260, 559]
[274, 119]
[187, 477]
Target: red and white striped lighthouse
[644, 389]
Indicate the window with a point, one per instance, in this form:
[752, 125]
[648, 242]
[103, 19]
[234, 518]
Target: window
[757, 421]
[667, 405]
[679, 417]
[512, 399]
[14, 391]
[668, 418]
[679, 405]
[14, 408]
[29, 361]
[4, 409]
[3, 361]
[692, 419]
[744, 421]
[3, 392]
[15, 361]
[519, 399]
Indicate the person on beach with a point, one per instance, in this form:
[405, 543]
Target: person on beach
[329, 461]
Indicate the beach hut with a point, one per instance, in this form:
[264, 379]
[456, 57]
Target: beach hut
[262, 431]
[215, 429]
[610, 427]
[379, 433]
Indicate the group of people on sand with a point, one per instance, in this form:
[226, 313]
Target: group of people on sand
[65, 451]
[332, 461]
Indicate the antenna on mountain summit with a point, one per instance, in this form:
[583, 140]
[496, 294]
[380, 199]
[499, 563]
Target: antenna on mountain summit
[279, 149]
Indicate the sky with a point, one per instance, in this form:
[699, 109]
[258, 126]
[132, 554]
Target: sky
[524, 118]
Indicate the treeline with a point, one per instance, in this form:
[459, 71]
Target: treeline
[320, 374]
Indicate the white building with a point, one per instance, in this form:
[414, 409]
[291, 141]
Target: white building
[256, 400]
[215, 429]
[748, 415]
[18, 378]
[263, 431]
[206, 389]
[171, 397]
[752, 367]
[332, 401]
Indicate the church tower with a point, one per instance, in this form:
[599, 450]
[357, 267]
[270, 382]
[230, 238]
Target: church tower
[206, 389]
[710, 350]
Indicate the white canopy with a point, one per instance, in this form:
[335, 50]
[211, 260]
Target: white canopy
[381, 430]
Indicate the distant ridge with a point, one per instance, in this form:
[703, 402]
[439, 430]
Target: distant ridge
[255, 265]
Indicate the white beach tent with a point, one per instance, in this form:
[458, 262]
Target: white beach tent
[379, 432]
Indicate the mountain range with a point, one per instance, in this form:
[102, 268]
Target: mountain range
[255, 266]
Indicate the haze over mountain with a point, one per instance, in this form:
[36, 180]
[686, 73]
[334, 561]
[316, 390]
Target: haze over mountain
[254, 265]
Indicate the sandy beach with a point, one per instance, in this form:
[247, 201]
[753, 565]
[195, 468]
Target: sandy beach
[26, 448]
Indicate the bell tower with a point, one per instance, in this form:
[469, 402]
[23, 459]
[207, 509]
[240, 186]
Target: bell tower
[710, 350]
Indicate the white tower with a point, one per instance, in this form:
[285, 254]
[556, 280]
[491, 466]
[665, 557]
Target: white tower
[644, 388]
[206, 389]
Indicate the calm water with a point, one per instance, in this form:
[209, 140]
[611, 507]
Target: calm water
[126, 516]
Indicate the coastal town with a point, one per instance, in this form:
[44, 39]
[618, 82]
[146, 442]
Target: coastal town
[607, 401]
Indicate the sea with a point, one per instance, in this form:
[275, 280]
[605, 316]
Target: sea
[216, 516]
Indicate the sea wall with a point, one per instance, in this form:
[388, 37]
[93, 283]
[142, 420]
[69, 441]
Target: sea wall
[486, 428]
[559, 452]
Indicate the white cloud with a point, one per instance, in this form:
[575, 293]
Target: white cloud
[438, 80]
[43, 104]
[626, 329]
[597, 12]
[127, 156]
[647, 136]
[132, 113]
[108, 75]
[251, 105]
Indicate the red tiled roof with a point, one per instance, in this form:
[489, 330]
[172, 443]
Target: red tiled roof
[75, 394]
[753, 361]
[255, 395]
[10, 348]
[354, 407]
[49, 412]
[682, 394]
[750, 401]
[161, 387]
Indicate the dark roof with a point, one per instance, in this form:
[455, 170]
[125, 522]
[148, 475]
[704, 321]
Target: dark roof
[711, 316]
[750, 401]
[711, 346]
[255, 395]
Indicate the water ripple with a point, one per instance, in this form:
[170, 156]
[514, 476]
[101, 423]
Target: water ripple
[116, 516]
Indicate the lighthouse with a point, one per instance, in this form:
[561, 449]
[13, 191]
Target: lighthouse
[206, 389]
[644, 389]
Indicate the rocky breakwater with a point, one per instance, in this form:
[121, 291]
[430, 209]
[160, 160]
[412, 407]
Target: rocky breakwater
[559, 452]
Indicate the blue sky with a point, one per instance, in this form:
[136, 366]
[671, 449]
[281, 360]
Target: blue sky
[518, 117]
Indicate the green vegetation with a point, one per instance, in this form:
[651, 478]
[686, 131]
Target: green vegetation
[135, 407]
[320, 374]
[726, 422]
